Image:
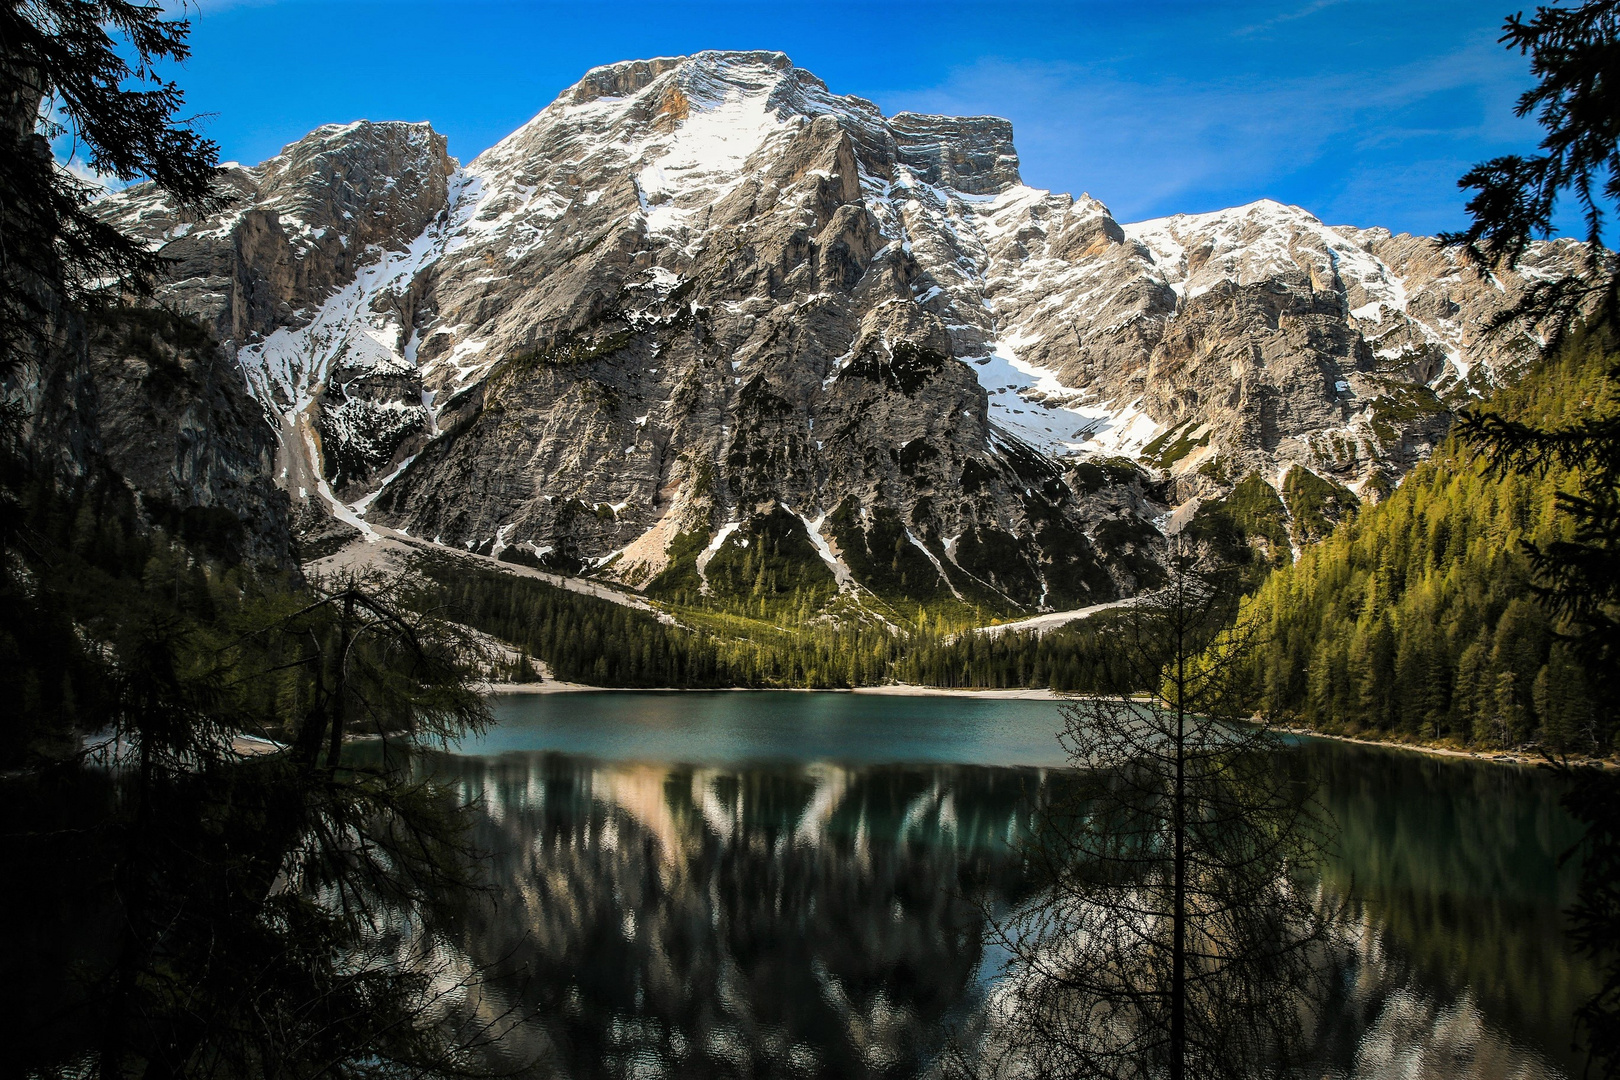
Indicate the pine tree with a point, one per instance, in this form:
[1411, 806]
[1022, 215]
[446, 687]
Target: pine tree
[95, 64]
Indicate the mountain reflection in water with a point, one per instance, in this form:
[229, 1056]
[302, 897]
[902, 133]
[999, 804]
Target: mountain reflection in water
[791, 920]
[814, 919]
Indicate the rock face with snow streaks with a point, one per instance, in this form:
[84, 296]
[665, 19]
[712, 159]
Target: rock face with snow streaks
[694, 294]
[296, 227]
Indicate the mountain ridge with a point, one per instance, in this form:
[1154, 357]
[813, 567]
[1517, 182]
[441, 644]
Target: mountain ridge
[692, 291]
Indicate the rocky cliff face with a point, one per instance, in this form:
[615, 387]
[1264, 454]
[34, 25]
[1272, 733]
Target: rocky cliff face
[298, 237]
[147, 401]
[695, 298]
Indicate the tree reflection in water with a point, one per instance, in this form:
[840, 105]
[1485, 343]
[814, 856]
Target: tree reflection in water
[241, 918]
[818, 920]
[1461, 967]
[784, 920]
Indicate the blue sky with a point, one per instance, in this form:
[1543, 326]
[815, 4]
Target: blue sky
[1361, 112]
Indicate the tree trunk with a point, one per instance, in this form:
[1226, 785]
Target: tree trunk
[130, 886]
[1178, 945]
[334, 747]
[307, 747]
[1178, 907]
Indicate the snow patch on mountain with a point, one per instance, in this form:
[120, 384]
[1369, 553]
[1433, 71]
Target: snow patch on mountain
[812, 527]
[1031, 404]
[712, 549]
[939, 568]
[686, 264]
[285, 369]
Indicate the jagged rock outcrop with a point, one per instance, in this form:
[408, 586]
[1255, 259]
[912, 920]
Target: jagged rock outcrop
[295, 228]
[148, 401]
[695, 293]
[296, 233]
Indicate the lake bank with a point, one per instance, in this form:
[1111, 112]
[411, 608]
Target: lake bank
[889, 690]
[1490, 756]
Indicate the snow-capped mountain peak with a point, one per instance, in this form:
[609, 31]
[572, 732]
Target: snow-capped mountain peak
[693, 287]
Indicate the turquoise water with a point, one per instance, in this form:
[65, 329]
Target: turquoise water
[774, 726]
[793, 884]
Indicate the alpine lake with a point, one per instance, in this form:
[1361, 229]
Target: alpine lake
[795, 884]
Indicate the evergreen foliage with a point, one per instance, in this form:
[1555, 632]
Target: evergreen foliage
[881, 556]
[1069, 658]
[94, 63]
[679, 582]
[96, 583]
[590, 640]
[1574, 53]
[1090, 475]
[1171, 923]
[248, 910]
[1246, 530]
[229, 902]
[1315, 505]
[1175, 444]
[1416, 619]
[770, 568]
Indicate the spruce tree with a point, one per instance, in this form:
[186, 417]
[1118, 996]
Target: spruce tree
[87, 70]
[1574, 52]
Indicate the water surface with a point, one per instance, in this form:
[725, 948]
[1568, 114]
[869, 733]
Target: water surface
[793, 884]
[743, 726]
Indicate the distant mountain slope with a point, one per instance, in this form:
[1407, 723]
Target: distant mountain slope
[1417, 618]
[699, 301]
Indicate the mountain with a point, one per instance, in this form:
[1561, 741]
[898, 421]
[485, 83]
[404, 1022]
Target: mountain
[703, 325]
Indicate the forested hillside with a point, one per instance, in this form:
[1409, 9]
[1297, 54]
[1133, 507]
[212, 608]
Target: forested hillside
[1418, 618]
[585, 639]
[1070, 658]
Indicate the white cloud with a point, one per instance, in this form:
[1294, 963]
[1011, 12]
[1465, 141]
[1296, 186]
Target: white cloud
[69, 152]
[1293, 15]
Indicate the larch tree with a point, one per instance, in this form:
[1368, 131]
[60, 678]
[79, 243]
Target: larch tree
[1175, 933]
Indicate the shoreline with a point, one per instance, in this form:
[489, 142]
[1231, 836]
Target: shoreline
[552, 686]
[1502, 758]
[1496, 757]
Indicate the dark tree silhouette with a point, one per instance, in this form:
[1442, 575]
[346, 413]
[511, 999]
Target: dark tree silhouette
[276, 913]
[86, 71]
[1575, 54]
[1174, 937]
[381, 660]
